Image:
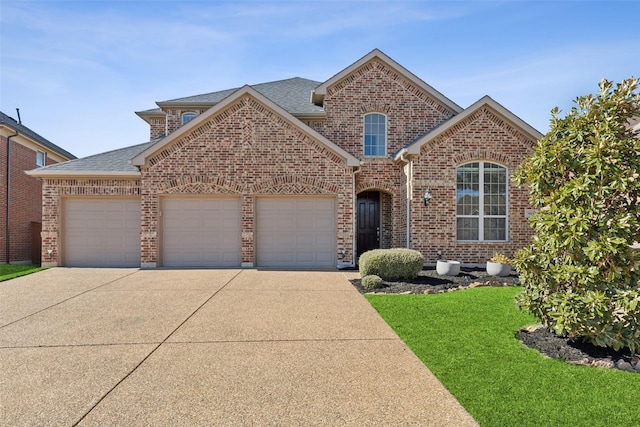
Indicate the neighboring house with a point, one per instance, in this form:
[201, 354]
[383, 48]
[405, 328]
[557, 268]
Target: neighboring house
[298, 173]
[20, 223]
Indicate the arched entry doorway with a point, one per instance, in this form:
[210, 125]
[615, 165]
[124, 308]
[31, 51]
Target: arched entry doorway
[368, 221]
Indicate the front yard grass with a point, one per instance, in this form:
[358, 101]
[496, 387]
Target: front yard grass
[10, 271]
[467, 339]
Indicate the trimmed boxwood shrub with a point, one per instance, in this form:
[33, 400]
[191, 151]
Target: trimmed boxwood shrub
[391, 264]
[371, 282]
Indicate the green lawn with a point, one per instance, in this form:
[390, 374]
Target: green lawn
[10, 271]
[467, 339]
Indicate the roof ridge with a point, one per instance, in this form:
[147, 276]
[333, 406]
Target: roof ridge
[238, 87]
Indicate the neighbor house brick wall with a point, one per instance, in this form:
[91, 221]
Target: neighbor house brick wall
[25, 204]
[483, 136]
[250, 151]
[54, 191]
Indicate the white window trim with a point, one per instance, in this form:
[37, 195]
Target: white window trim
[386, 134]
[44, 159]
[481, 216]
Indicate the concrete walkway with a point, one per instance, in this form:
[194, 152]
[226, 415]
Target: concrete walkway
[128, 347]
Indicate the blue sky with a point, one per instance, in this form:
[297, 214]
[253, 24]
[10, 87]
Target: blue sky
[78, 70]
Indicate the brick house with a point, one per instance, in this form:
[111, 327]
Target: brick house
[297, 173]
[21, 195]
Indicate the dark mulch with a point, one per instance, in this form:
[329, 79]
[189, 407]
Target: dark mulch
[578, 352]
[539, 338]
[429, 282]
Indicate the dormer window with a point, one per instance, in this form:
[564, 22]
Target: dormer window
[41, 159]
[375, 135]
[188, 116]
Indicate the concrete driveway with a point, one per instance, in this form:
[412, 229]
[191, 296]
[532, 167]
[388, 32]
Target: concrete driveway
[206, 347]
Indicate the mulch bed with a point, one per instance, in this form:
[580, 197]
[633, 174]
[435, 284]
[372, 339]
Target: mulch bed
[537, 337]
[430, 282]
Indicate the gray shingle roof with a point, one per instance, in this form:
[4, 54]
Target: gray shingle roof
[294, 95]
[111, 161]
[22, 129]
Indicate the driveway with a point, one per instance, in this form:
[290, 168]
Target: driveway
[206, 347]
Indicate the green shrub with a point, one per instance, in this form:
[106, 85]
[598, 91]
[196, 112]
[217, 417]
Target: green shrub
[580, 276]
[391, 264]
[371, 282]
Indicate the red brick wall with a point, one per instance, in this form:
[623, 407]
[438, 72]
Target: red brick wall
[25, 204]
[483, 136]
[410, 112]
[247, 150]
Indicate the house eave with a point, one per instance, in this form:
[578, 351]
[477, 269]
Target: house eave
[37, 173]
[183, 105]
[310, 116]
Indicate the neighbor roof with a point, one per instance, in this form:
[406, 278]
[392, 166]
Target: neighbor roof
[23, 130]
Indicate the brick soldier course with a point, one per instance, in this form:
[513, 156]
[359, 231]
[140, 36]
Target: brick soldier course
[301, 138]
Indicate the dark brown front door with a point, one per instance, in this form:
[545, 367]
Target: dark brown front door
[368, 212]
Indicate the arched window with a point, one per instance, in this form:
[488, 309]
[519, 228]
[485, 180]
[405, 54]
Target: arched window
[188, 116]
[481, 202]
[375, 135]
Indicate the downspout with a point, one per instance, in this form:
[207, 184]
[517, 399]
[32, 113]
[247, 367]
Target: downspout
[8, 238]
[354, 244]
[409, 175]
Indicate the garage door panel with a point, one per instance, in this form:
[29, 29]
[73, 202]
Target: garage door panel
[101, 233]
[295, 232]
[201, 232]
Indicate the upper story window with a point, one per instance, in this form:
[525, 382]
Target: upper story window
[188, 116]
[375, 135]
[41, 159]
[481, 202]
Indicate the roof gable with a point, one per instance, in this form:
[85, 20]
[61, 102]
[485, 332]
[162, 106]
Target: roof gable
[414, 147]
[143, 157]
[318, 94]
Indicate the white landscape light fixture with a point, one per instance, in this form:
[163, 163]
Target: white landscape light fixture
[427, 196]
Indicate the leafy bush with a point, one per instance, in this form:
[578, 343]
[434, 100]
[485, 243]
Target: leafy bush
[580, 275]
[391, 264]
[371, 282]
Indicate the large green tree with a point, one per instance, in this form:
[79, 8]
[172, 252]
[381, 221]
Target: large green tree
[580, 275]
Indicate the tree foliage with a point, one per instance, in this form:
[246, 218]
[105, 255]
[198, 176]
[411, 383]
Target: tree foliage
[580, 275]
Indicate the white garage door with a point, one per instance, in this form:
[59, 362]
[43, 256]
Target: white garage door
[201, 232]
[101, 233]
[296, 232]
